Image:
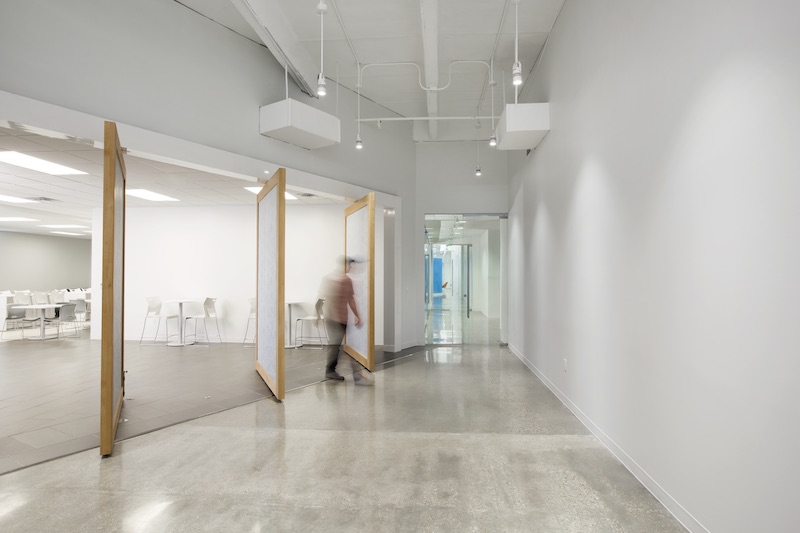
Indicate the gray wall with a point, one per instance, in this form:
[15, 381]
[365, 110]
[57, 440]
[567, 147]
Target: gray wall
[41, 262]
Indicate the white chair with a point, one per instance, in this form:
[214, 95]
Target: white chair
[154, 313]
[251, 318]
[57, 296]
[31, 315]
[209, 312]
[82, 310]
[39, 297]
[65, 316]
[316, 320]
[14, 317]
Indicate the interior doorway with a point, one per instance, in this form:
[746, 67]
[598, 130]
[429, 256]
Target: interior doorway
[463, 278]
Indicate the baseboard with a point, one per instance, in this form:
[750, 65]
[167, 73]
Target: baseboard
[676, 509]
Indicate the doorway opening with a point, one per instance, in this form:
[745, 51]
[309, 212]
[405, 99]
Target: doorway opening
[463, 278]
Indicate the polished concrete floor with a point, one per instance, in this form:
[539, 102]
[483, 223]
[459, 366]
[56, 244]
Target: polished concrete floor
[455, 438]
[50, 390]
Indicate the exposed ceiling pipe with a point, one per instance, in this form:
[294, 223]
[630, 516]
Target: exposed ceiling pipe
[490, 75]
[344, 30]
[250, 16]
[429, 12]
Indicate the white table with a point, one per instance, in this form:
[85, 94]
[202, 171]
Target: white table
[42, 308]
[180, 318]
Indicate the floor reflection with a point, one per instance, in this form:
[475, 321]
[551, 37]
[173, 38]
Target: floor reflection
[446, 326]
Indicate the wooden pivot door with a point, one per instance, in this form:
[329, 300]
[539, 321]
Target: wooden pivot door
[359, 226]
[270, 356]
[112, 367]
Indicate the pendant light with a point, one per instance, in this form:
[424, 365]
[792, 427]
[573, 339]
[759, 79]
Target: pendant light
[478, 148]
[516, 70]
[492, 83]
[322, 9]
[359, 144]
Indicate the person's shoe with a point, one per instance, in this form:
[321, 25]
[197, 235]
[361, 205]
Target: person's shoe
[334, 375]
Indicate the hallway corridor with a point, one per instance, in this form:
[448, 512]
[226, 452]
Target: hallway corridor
[461, 438]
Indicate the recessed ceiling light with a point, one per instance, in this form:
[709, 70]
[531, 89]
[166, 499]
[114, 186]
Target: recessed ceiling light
[65, 233]
[17, 219]
[144, 194]
[39, 165]
[61, 226]
[15, 200]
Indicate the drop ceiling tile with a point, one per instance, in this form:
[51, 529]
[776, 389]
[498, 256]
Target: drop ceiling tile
[63, 144]
[20, 144]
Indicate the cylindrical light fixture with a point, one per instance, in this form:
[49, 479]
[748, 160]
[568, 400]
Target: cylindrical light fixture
[516, 70]
[478, 171]
[516, 73]
[322, 9]
[321, 91]
[493, 139]
[359, 144]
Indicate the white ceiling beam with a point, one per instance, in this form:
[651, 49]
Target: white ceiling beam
[429, 9]
[275, 31]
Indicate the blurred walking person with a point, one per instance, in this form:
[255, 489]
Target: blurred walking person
[337, 291]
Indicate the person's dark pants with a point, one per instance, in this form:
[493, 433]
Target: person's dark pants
[336, 333]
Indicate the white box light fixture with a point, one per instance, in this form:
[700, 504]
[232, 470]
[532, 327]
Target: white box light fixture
[299, 124]
[522, 126]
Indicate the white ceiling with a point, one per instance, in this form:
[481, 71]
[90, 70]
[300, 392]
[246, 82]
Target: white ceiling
[70, 199]
[431, 34]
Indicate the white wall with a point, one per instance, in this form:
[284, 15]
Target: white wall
[652, 245]
[199, 252]
[194, 253]
[197, 94]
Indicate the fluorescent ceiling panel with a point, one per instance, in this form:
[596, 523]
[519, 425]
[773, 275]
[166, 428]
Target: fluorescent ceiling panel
[15, 200]
[39, 165]
[61, 226]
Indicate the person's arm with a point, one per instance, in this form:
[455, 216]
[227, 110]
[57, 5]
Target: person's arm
[352, 303]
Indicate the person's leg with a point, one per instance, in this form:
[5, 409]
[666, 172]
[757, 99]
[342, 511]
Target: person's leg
[335, 337]
[361, 375]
